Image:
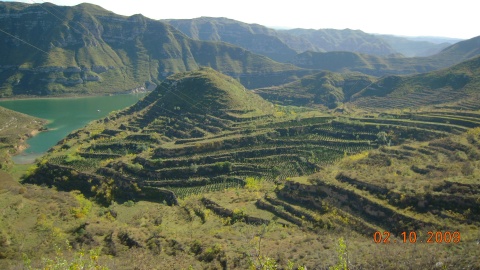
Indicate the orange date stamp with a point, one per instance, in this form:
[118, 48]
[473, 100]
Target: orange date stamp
[411, 237]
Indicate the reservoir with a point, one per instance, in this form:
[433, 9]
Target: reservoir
[64, 115]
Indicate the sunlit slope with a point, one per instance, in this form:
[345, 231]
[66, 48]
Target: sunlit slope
[47, 49]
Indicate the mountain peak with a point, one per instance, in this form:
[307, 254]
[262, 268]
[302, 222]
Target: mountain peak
[208, 91]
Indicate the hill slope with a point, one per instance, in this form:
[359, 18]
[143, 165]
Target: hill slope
[327, 40]
[86, 49]
[381, 66]
[247, 163]
[459, 83]
[414, 48]
[324, 88]
[461, 51]
[281, 45]
[195, 128]
[253, 37]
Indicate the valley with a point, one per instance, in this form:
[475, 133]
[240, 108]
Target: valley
[248, 148]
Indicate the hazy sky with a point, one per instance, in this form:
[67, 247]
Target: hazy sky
[458, 19]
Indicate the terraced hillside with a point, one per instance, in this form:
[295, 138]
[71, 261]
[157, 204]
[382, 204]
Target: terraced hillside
[202, 128]
[203, 131]
[202, 142]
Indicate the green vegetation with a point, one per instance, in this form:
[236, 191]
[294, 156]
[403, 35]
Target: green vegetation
[348, 61]
[456, 87]
[71, 55]
[205, 174]
[202, 167]
[253, 37]
[324, 88]
[83, 50]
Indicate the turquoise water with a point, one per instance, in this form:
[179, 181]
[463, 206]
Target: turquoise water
[64, 115]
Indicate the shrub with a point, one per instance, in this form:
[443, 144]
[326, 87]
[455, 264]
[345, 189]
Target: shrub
[252, 184]
[84, 208]
[342, 262]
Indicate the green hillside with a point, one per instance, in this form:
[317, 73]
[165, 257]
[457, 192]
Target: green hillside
[86, 49]
[318, 167]
[282, 45]
[414, 48]
[460, 51]
[230, 163]
[392, 65]
[455, 86]
[253, 37]
[327, 40]
[324, 88]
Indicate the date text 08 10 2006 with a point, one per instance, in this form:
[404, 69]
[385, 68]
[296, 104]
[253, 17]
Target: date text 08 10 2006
[411, 237]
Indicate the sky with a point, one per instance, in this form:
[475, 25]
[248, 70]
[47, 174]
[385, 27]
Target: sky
[440, 18]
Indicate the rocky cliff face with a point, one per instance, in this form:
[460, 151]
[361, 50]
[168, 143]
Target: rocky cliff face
[84, 49]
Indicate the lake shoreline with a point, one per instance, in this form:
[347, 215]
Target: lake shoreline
[71, 96]
[59, 117]
[23, 145]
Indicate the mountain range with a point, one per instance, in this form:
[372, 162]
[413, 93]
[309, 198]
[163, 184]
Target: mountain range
[282, 45]
[454, 84]
[344, 61]
[85, 49]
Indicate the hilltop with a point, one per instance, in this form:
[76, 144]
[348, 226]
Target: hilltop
[87, 49]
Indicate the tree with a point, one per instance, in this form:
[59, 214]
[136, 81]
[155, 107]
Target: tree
[382, 137]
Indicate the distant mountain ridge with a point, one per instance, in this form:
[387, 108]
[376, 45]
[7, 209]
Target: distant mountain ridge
[459, 84]
[394, 65]
[60, 50]
[414, 48]
[281, 44]
[87, 49]
[327, 40]
[454, 87]
[256, 38]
